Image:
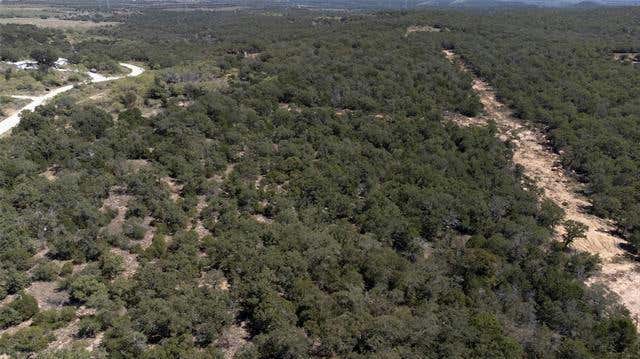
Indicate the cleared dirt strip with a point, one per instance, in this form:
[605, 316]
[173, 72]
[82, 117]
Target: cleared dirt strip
[619, 273]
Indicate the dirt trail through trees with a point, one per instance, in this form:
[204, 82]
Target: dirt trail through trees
[619, 273]
[12, 121]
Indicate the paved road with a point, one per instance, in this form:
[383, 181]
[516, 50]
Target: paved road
[12, 121]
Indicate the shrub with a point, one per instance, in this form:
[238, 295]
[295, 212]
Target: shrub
[89, 327]
[46, 272]
[110, 265]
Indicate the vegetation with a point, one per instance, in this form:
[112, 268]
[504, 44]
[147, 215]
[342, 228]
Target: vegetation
[557, 70]
[300, 189]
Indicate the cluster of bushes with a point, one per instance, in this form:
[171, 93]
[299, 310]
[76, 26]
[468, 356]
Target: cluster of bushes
[18, 310]
[19, 41]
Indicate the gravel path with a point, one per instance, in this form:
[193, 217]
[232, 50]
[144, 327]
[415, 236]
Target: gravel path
[12, 121]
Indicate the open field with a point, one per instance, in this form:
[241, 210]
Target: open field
[27, 11]
[56, 23]
[212, 9]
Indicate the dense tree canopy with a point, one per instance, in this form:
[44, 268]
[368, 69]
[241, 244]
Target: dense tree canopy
[300, 189]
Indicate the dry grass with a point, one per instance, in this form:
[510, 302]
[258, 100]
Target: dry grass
[56, 23]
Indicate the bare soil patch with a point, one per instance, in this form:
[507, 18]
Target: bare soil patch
[627, 56]
[464, 121]
[136, 165]
[51, 173]
[130, 262]
[620, 274]
[174, 188]
[48, 295]
[289, 107]
[342, 112]
[116, 201]
[66, 337]
[15, 328]
[421, 28]
[232, 339]
[8, 299]
[262, 219]
[150, 232]
[198, 226]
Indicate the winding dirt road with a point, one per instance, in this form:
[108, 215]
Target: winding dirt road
[619, 273]
[12, 121]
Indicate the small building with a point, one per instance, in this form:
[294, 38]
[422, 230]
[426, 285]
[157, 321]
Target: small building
[26, 64]
[60, 62]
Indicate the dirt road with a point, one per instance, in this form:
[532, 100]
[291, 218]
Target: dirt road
[619, 273]
[12, 121]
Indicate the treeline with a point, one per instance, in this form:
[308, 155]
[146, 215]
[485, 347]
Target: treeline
[19, 41]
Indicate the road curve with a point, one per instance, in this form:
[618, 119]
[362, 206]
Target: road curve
[12, 121]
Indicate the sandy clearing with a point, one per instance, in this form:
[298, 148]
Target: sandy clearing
[175, 189]
[233, 339]
[51, 173]
[196, 223]
[130, 261]
[48, 295]
[421, 28]
[620, 274]
[12, 121]
[626, 56]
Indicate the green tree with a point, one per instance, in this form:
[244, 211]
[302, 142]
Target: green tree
[45, 57]
[573, 230]
[110, 265]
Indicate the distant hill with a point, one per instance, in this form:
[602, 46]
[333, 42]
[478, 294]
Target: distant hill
[412, 4]
[538, 3]
[587, 4]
